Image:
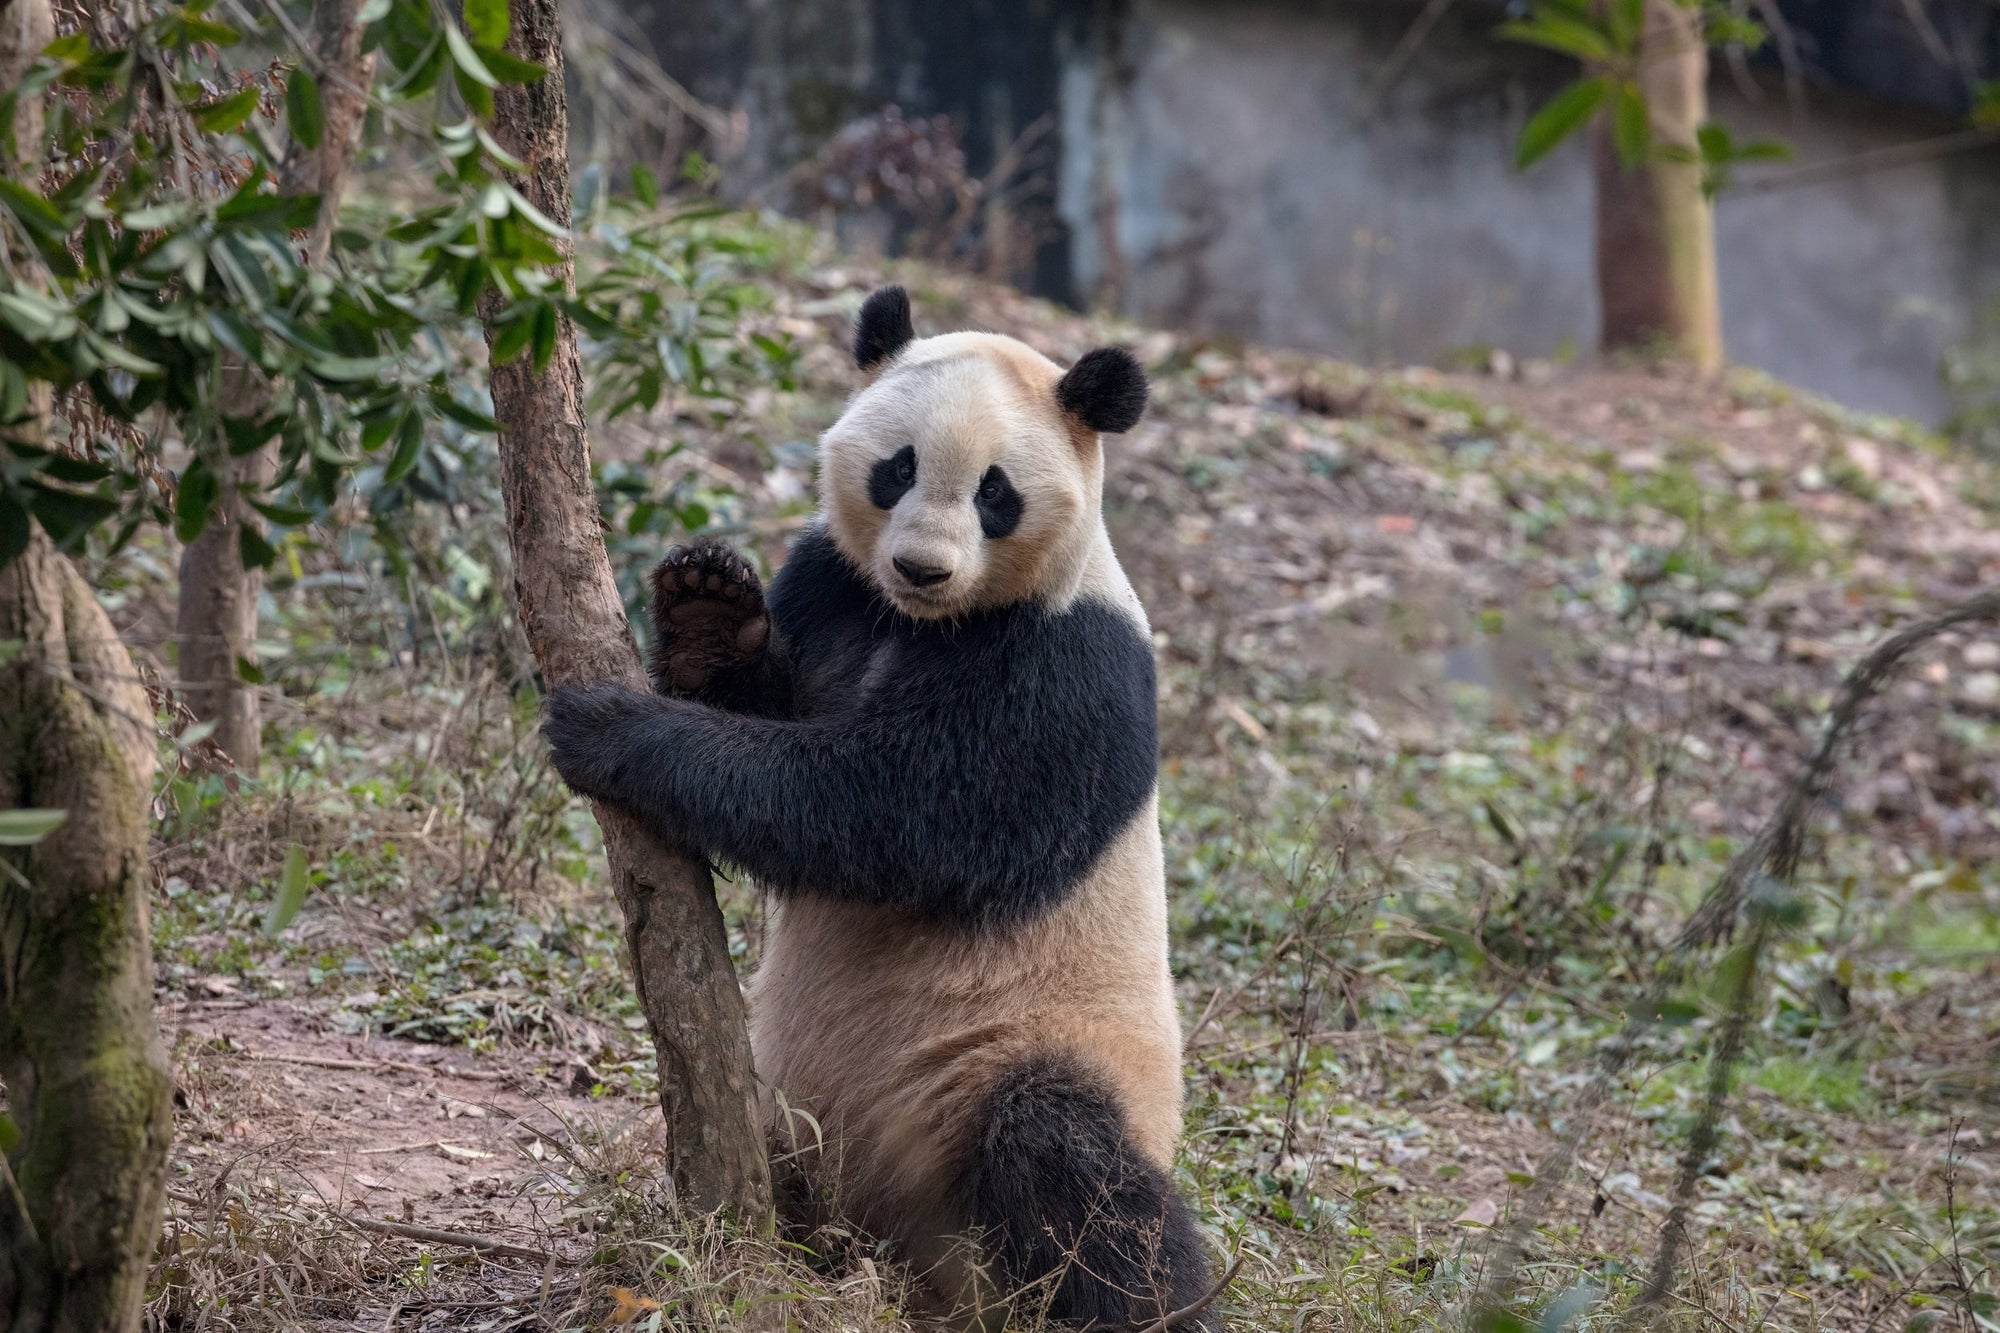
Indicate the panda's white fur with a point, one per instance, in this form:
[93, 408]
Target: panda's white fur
[949, 1064]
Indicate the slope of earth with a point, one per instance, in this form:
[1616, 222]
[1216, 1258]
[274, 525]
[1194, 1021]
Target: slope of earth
[1470, 686]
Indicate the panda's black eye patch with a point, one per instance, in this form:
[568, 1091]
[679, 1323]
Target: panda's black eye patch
[998, 503]
[890, 479]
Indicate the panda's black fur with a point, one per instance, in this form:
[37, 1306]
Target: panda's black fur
[970, 771]
[966, 772]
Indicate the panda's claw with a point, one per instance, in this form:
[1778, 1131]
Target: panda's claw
[709, 621]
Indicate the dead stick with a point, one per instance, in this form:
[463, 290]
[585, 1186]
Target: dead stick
[437, 1237]
[403, 1066]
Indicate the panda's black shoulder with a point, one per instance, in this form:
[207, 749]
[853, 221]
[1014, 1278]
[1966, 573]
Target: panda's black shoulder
[817, 588]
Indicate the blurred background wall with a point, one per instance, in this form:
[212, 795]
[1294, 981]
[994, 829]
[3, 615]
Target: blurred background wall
[1339, 176]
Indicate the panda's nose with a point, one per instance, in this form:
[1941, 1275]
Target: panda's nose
[919, 575]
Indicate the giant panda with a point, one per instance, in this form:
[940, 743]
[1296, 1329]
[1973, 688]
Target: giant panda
[934, 742]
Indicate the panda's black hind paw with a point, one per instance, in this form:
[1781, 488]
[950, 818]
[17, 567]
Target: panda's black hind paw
[710, 626]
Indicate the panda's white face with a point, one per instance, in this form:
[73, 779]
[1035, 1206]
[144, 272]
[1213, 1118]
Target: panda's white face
[954, 481]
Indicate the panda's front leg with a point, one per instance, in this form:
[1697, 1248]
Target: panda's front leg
[593, 733]
[712, 634]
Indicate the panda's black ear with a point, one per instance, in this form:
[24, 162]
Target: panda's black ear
[882, 327]
[1106, 390]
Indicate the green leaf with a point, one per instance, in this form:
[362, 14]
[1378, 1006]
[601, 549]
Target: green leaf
[409, 447]
[467, 59]
[292, 885]
[1557, 33]
[67, 515]
[463, 415]
[76, 46]
[1725, 29]
[545, 335]
[1632, 125]
[486, 21]
[1567, 112]
[25, 828]
[225, 114]
[347, 368]
[249, 672]
[304, 109]
[422, 74]
[1626, 21]
[646, 186]
[194, 500]
[509, 68]
[247, 434]
[285, 516]
[189, 30]
[257, 553]
[512, 332]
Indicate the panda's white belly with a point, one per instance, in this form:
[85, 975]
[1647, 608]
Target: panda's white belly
[890, 1030]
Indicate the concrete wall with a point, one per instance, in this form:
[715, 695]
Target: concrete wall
[1240, 168]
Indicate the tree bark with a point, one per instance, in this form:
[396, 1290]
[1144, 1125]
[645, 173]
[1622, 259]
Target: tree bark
[216, 620]
[575, 621]
[215, 623]
[1656, 277]
[83, 1150]
[88, 1085]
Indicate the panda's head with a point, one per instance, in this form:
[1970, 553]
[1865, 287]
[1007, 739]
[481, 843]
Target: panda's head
[967, 472]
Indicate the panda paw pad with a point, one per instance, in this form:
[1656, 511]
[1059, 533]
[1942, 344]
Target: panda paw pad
[709, 620]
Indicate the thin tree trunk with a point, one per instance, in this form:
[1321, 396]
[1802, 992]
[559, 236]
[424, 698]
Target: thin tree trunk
[83, 1150]
[216, 621]
[575, 621]
[1655, 228]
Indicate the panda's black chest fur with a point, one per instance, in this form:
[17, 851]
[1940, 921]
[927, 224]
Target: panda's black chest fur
[970, 770]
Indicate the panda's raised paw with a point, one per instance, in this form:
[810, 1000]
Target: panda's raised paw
[709, 621]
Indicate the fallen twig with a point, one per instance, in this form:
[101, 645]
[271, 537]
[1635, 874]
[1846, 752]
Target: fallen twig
[400, 1066]
[485, 1244]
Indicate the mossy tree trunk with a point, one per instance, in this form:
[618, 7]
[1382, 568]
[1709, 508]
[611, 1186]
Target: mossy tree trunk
[575, 621]
[88, 1091]
[216, 622]
[88, 1086]
[1656, 276]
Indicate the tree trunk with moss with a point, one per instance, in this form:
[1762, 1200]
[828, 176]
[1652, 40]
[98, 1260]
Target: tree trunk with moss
[216, 621]
[575, 621]
[83, 1143]
[1656, 276]
[88, 1086]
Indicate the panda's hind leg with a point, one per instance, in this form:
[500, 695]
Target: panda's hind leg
[711, 632]
[1071, 1209]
